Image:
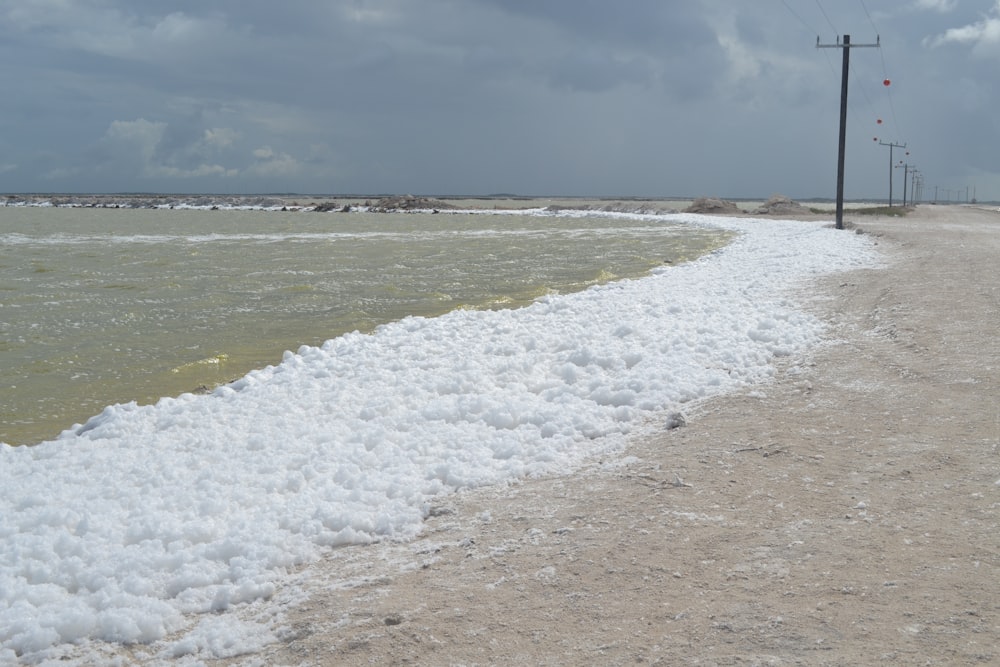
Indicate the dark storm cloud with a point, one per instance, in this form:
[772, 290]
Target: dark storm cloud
[567, 96]
[641, 23]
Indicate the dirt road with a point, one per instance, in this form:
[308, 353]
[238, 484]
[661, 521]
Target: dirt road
[845, 515]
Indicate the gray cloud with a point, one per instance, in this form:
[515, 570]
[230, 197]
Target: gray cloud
[982, 35]
[586, 97]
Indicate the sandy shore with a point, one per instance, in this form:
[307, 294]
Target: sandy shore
[845, 515]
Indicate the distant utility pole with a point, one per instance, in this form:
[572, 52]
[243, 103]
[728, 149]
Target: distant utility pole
[846, 46]
[906, 175]
[891, 165]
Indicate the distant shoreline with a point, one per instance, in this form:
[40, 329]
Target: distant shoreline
[354, 202]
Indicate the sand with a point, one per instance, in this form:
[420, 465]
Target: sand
[846, 514]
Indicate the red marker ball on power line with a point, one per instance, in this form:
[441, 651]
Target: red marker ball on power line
[886, 82]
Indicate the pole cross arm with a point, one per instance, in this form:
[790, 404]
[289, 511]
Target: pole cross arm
[846, 44]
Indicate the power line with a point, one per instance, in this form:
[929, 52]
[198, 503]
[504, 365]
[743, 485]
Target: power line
[868, 14]
[864, 89]
[829, 60]
[892, 110]
[800, 19]
[885, 69]
[888, 95]
[877, 32]
[833, 66]
[864, 79]
[828, 21]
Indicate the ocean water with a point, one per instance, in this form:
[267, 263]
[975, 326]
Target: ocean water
[104, 306]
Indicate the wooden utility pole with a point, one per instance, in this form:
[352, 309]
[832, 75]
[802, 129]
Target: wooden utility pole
[906, 174]
[916, 186]
[846, 45]
[891, 165]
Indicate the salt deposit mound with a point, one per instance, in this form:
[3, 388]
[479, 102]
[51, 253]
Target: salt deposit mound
[711, 206]
[781, 205]
[408, 203]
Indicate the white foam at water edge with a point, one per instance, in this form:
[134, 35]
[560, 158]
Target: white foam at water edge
[122, 526]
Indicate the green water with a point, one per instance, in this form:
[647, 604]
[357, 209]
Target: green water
[101, 306]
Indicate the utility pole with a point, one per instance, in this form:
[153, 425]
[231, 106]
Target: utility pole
[846, 46]
[906, 175]
[891, 165]
[916, 182]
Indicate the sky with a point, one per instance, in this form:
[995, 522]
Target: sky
[631, 98]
